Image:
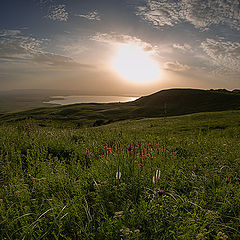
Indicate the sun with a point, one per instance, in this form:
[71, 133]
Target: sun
[134, 64]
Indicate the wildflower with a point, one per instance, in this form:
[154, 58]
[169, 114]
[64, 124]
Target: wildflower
[195, 169]
[96, 185]
[118, 174]
[118, 214]
[141, 164]
[173, 154]
[156, 176]
[87, 152]
[130, 148]
[161, 192]
[200, 236]
[125, 231]
[137, 231]
[222, 235]
[228, 180]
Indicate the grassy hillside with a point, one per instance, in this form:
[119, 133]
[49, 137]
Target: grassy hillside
[164, 103]
[183, 101]
[166, 178]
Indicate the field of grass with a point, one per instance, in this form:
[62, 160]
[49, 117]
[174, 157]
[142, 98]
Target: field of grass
[165, 178]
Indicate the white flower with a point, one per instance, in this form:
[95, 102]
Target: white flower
[156, 176]
[118, 174]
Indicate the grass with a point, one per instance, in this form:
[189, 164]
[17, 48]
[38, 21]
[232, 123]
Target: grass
[62, 182]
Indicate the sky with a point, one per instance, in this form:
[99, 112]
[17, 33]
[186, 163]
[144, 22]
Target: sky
[125, 47]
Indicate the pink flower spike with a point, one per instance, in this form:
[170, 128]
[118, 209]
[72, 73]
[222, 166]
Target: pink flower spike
[173, 154]
[87, 152]
[130, 148]
[161, 192]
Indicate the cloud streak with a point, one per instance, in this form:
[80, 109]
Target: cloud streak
[175, 67]
[185, 47]
[18, 48]
[114, 38]
[93, 16]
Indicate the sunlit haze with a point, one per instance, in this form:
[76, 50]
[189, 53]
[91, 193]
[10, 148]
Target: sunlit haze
[135, 64]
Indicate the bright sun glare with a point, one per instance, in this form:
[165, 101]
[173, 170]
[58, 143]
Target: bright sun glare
[134, 64]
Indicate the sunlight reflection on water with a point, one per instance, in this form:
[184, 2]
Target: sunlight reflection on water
[65, 100]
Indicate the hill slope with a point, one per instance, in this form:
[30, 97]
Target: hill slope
[170, 102]
[183, 101]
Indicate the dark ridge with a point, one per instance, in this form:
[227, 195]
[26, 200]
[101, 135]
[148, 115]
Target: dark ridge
[184, 101]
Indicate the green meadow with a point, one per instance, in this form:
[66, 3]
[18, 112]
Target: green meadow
[156, 178]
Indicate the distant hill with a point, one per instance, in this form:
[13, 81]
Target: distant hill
[183, 101]
[170, 102]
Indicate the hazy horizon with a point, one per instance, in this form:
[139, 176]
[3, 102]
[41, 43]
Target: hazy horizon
[130, 47]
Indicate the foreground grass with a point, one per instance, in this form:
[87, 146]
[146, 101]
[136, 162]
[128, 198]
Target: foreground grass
[172, 178]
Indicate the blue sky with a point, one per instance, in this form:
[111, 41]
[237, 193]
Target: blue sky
[70, 44]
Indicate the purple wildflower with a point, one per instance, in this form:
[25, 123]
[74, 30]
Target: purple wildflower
[161, 192]
[130, 148]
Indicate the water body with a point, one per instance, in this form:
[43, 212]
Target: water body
[65, 100]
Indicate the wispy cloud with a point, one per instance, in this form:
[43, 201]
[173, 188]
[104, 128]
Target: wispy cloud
[225, 54]
[202, 14]
[5, 33]
[58, 13]
[94, 16]
[185, 47]
[114, 38]
[19, 48]
[175, 66]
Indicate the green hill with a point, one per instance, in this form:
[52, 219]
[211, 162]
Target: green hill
[184, 101]
[172, 102]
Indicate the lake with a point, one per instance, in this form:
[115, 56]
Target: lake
[65, 100]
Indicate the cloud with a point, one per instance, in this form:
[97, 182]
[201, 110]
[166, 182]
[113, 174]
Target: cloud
[90, 16]
[114, 38]
[18, 48]
[56, 60]
[185, 47]
[5, 33]
[175, 66]
[202, 14]
[225, 54]
[58, 13]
